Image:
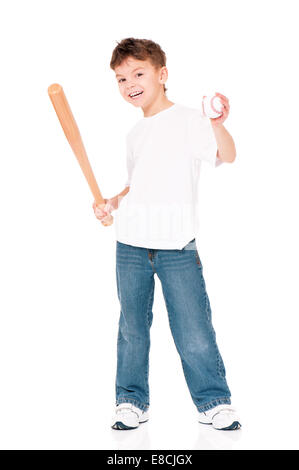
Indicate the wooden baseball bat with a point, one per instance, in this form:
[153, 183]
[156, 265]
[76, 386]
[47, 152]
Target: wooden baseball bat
[73, 136]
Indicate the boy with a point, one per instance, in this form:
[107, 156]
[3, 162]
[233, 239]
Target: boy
[155, 233]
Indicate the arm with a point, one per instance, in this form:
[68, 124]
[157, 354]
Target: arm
[225, 143]
[116, 200]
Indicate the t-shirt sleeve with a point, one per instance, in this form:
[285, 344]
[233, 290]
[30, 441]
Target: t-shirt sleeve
[129, 162]
[202, 140]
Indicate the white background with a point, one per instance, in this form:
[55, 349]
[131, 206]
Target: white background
[59, 305]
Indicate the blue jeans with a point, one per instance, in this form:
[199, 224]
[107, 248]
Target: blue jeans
[189, 312]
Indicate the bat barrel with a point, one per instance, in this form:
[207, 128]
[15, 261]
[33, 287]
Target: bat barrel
[71, 131]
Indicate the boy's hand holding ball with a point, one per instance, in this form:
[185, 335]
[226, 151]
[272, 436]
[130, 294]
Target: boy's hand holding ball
[216, 107]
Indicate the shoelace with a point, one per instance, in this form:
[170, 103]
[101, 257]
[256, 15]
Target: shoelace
[119, 410]
[225, 410]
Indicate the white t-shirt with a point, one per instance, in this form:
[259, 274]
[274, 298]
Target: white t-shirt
[164, 155]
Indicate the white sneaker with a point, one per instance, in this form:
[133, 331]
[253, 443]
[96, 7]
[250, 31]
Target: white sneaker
[128, 416]
[222, 417]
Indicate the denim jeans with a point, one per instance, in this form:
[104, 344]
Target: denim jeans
[187, 302]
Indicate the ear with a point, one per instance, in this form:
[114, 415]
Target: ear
[163, 74]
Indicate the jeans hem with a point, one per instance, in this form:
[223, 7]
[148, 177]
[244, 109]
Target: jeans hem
[138, 404]
[212, 404]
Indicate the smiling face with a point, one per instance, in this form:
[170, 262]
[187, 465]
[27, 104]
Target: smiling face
[140, 76]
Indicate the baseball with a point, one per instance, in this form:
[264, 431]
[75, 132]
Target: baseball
[211, 106]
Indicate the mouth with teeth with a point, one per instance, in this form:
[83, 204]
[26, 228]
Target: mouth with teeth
[135, 95]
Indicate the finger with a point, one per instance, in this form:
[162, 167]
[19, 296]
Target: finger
[225, 104]
[109, 207]
[96, 208]
[100, 209]
[106, 219]
[222, 96]
[223, 99]
[100, 213]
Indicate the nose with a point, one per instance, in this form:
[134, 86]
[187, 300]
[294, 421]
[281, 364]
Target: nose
[130, 84]
[130, 88]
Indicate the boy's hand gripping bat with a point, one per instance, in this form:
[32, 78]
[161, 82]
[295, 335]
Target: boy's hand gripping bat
[73, 136]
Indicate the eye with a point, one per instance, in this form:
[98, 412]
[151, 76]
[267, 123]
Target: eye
[121, 79]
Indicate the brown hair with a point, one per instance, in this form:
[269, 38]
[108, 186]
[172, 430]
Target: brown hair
[140, 49]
